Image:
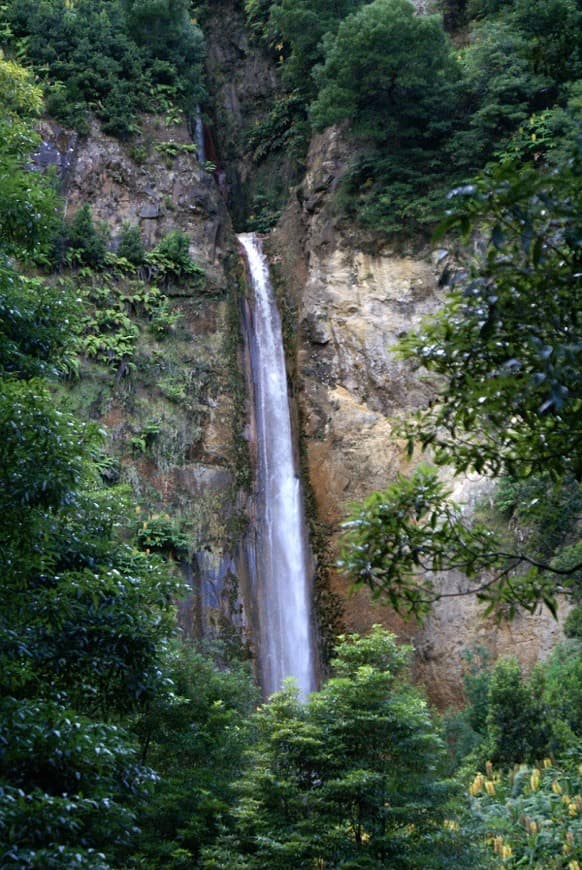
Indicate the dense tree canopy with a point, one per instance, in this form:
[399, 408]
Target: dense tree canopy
[385, 71]
[421, 114]
[114, 58]
[83, 617]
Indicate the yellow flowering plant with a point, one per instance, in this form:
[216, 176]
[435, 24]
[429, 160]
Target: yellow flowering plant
[531, 815]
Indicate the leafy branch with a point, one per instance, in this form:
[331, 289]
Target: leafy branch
[397, 542]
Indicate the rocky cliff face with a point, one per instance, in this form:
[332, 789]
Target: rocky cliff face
[351, 306]
[175, 416]
[155, 183]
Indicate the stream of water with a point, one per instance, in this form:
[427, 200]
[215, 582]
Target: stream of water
[199, 136]
[285, 642]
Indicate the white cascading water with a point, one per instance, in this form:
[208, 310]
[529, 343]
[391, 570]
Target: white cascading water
[199, 136]
[282, 558]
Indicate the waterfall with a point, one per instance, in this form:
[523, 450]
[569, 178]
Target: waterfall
[199, 136]
[285, 643]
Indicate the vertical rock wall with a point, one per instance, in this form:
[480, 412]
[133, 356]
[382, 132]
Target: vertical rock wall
[174, 416]
[351, 305]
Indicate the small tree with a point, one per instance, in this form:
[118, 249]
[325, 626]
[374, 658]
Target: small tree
[350, 779]
[517, 722]
[171, 260]
[131, 245]
[86, 243]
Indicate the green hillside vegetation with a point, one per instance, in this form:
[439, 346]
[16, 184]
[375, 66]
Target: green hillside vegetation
[114, 58]
[423, 112]
[120, 747]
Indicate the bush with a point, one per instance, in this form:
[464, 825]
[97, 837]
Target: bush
[131, 246]
[171, 260]
[86, 244]
[531, 816]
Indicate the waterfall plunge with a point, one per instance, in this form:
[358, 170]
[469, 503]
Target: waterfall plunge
[282, 576]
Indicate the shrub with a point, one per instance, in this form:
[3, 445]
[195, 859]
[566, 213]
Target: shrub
[171, 260]
[86, 244]
[131, 245]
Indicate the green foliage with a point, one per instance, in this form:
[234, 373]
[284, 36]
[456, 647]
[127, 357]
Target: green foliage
[522, 719]
[409, 527]
[144, 441]
[170, 150]
[36, 435]
[350, 779]
[161, 534]
[88, 53]
[382, 191]
[84, 773]
[453, 12]
[507, 340]
[195, 737]
[284, 128]
[35, 324]
[397, 540]
[517, 725]
[172, 45]
[84, 617]
[170, 260]
[80, 636]
[107, 331]
[518, 71]
[508, 344]
[573, 623]
[540, 510]
[483, 8]
[146, 300]
[131, 245]
[530, 816]
[382, 71]
[421, 116]
[21, 97]
[499, 91]
[28, 202]
[263, 215]
[391, 74]
[476, 685]
[552, 29]
[86, 244]
[562, 690]
[294, 30]
[110, 57]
